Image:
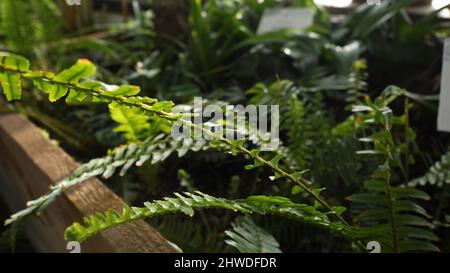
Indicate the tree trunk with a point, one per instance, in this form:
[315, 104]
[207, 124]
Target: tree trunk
[76, 16]
[171, 17]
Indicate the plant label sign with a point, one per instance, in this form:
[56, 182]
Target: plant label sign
[444, 97]
[275, 19]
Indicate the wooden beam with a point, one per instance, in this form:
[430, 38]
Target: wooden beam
[29, 163]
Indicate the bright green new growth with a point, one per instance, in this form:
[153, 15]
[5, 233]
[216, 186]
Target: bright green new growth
[133, 123]
[11, 82]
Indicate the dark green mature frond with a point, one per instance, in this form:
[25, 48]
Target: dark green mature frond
[247, 237]
[392, 218]
[190, 234]
[188, 202]
[336, 163]
[298, 142]
[307, 127]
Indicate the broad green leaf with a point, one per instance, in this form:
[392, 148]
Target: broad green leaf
[318, 191]
[274, 161]
[296, 190]
[124, 90]
[298, 175]
[418, 233]
[79, 95]
[83, 68]
[401, 193]
[15, 62]
[339, 209]
[368, 198]
[412, 220]
[162, 105]
[409, 206]
[11, 85]
[417, 245]
[277, 175]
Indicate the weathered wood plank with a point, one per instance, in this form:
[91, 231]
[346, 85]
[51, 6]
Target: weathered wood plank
[29, 163]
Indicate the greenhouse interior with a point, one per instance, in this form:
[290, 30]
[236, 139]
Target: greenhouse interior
[225, 126]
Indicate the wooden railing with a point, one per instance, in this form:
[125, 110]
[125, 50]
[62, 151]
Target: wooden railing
[29, 163]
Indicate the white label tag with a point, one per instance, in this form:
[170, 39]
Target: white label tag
[281, 18]
[444, 98]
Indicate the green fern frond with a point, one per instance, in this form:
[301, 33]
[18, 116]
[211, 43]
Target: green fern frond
[155, 149]
[247, 237]
[69, 81]
[10, 80]
[297, 139]
[438, 175]
[358, 80]
[307, 127]
[188, 202]
[337, 163]
[392, 218]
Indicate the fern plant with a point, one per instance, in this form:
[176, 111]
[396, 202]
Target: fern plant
[13, 68]
[392, 222]
[392, 217]
[188, 202]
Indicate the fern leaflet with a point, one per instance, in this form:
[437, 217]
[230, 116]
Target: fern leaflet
[438, 175]
[188, 202]
[247, 237]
